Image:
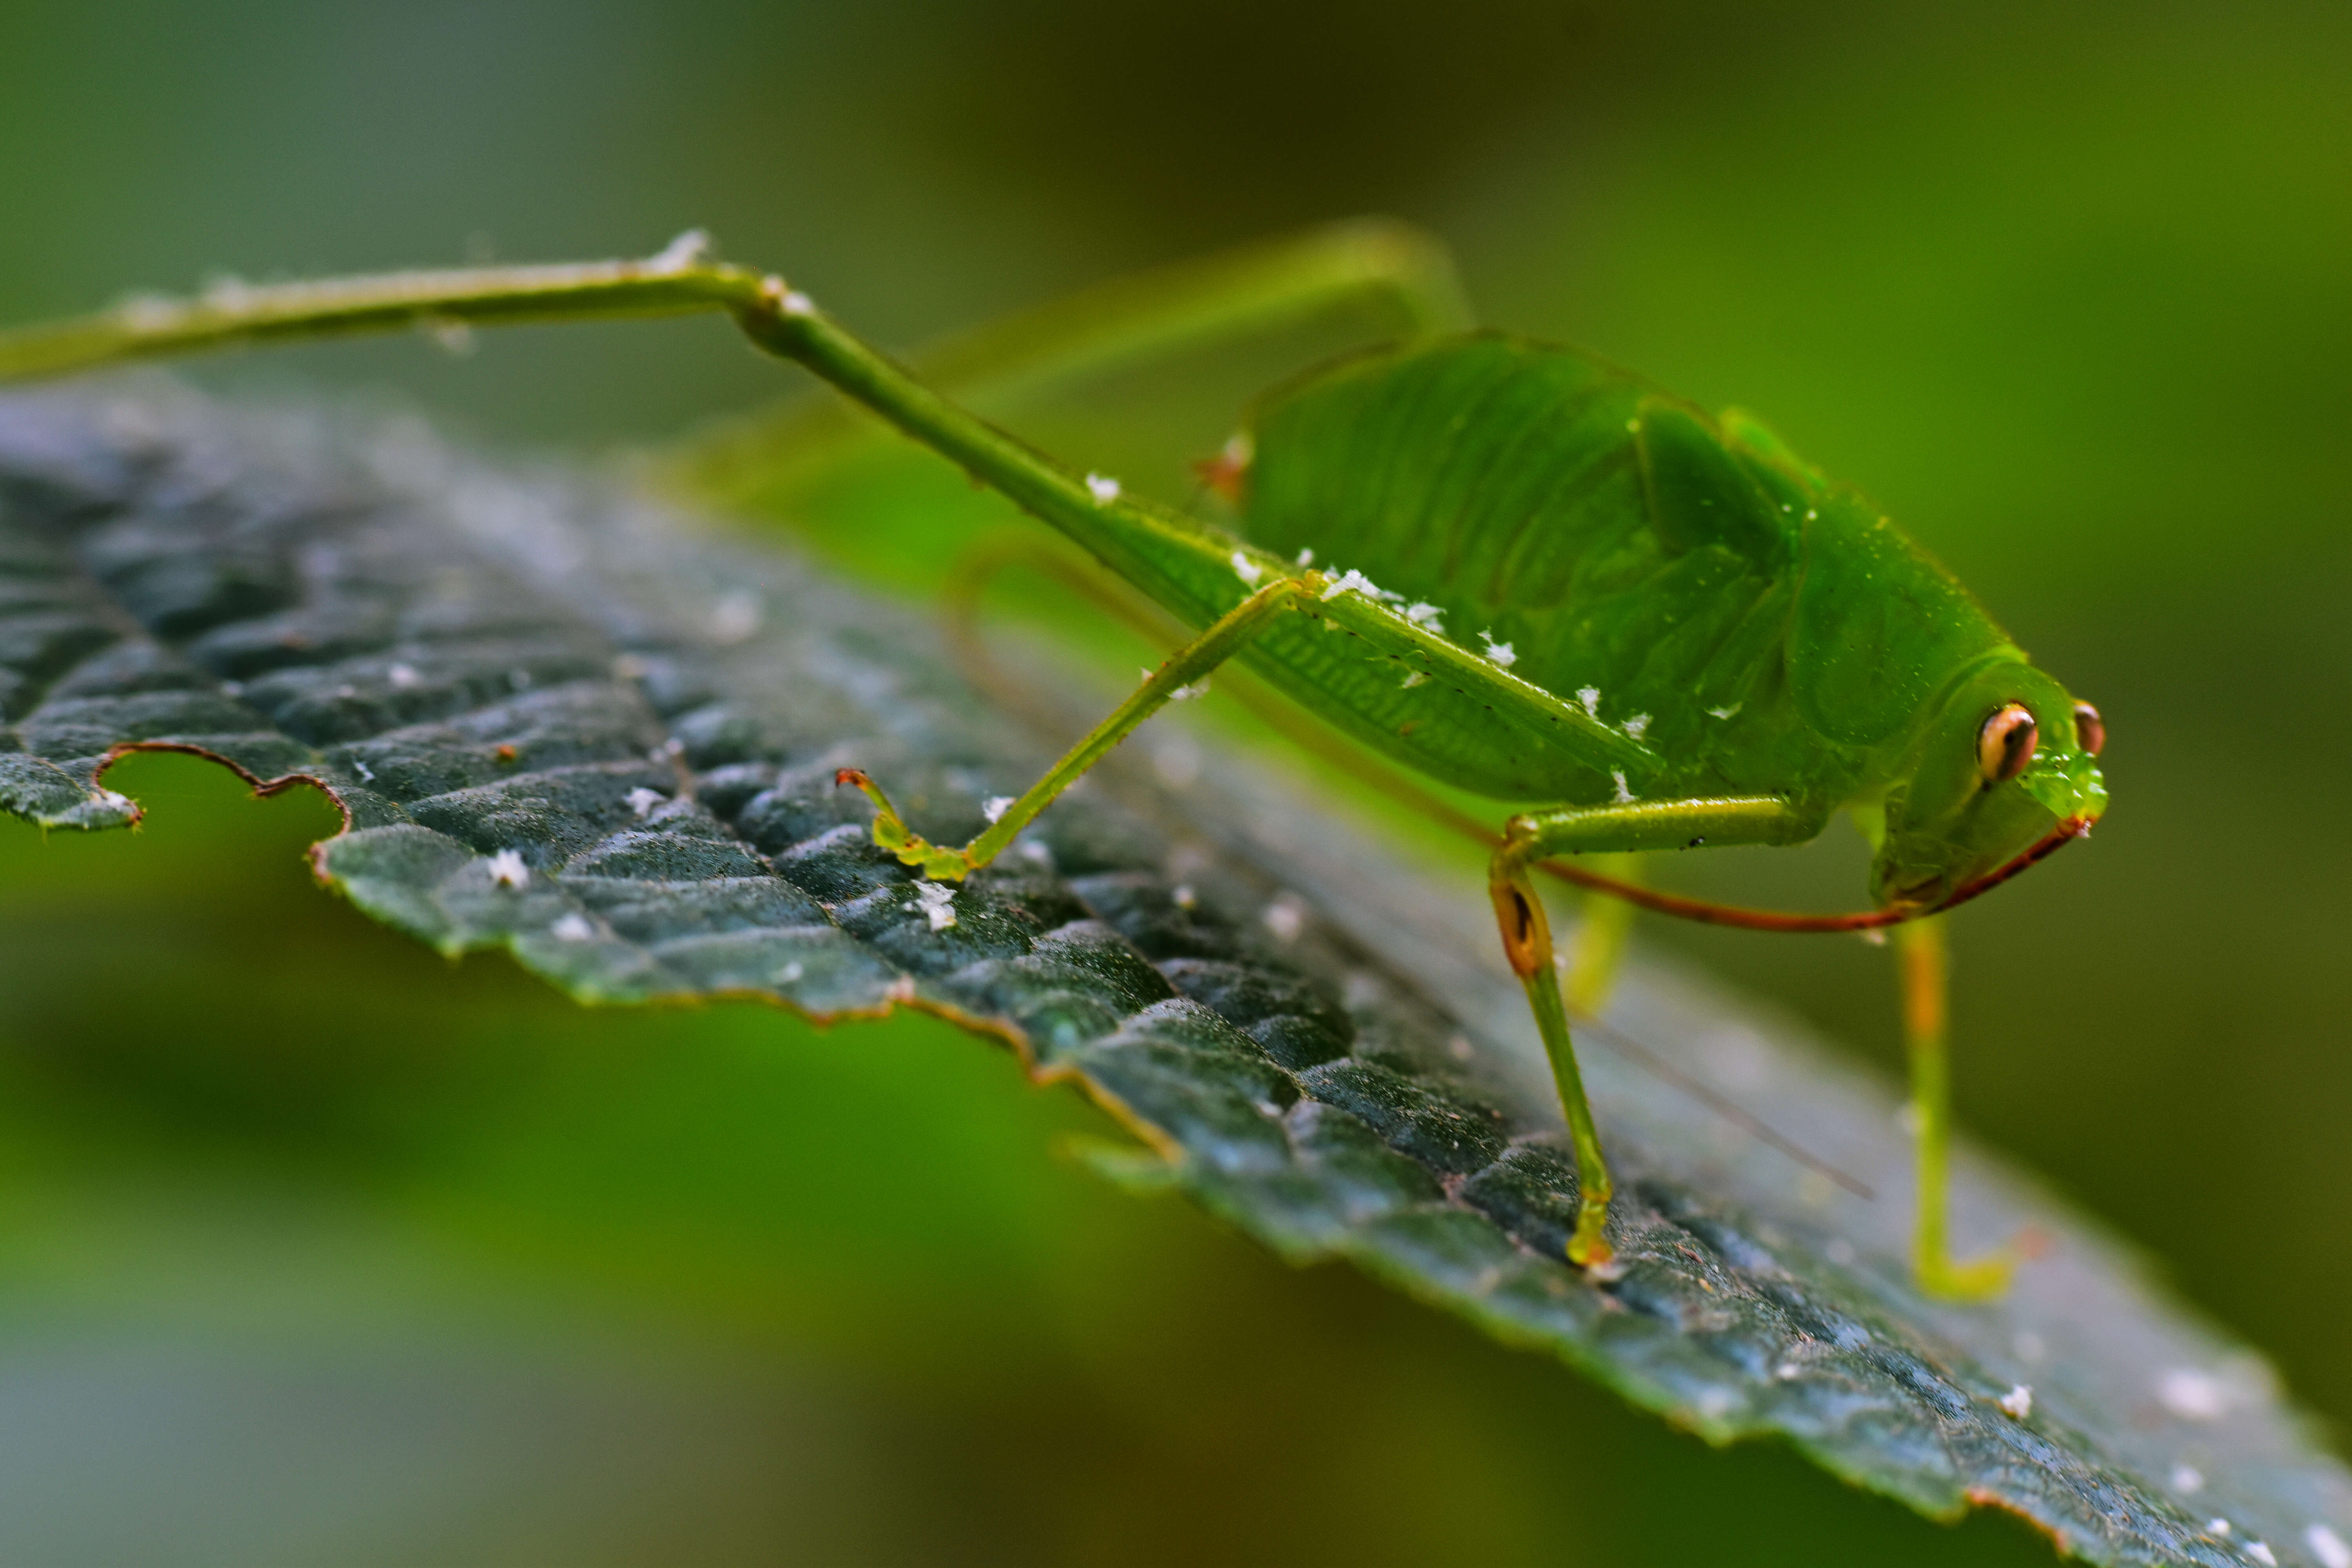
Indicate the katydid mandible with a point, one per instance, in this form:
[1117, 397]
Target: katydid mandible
[1504, 564]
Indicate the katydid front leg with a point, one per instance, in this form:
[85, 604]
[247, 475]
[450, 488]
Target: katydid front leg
[1527, 943]
[1224, 638]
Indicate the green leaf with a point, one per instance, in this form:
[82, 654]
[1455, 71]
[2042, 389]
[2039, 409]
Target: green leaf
[560, 720]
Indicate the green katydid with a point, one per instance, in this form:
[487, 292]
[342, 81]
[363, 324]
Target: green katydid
[1506, 566]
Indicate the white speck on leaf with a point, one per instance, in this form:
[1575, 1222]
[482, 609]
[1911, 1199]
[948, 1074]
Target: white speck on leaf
[2327, 1546]
[1500, 653]
[1103, 487]
[2187, 1479]
[1725, 712]
[937, 901]
[1590, 696]
[2261, 1552]
[1183, 896]
[735, 617]
[1427, 617]
[790, 974]
[1625, 796]
[1186, 693]
[404, 675]
[2018, 1401]
[507, 869]
[995, 806]
[1415, 678]
[1307, 555]
[1285, 918]
[642, 800]
[367, 773]
[572, 928]
[1249, 570]
[1636, 724]
[2193, 1395]
[2217, 1526]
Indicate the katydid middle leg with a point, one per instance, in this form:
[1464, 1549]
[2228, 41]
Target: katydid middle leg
[1527, 943]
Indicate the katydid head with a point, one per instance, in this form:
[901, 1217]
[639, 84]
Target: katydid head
[2004, 761]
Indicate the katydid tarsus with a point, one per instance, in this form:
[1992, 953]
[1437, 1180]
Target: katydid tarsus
[1505, 565]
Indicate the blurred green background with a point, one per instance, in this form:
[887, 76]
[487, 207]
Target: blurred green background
[315, 1247]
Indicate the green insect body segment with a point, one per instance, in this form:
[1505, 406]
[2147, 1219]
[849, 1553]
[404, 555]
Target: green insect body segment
[1508, 566]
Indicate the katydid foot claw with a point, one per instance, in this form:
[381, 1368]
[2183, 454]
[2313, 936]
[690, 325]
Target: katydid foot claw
[1588, 1248]
[1982, 1279]
[891, 832]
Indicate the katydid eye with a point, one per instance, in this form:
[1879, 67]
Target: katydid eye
[2090, 730]
[2005, 744]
